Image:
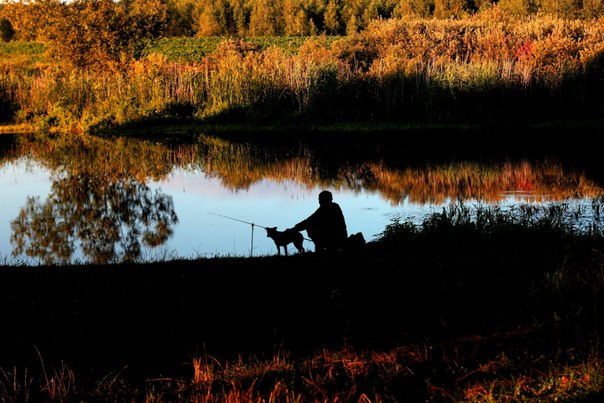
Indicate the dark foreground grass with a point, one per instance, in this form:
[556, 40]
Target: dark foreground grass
[472, 305]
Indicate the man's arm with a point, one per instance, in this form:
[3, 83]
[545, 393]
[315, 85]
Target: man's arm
[304, 224]
[301, 226]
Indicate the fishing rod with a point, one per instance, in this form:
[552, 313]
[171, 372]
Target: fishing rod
[236, 219]
[245, 222]
[249, 223]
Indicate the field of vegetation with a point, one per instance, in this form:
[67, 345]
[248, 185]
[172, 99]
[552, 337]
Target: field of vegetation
[490, 68]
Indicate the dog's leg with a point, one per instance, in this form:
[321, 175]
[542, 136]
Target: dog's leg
[298, 244]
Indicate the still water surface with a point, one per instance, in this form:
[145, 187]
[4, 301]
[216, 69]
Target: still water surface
[215, 220]
[98, 201]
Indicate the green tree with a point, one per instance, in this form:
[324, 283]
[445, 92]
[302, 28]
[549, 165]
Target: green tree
[30, 20]
[211, 21]
[86, 33]
[592, 8]
[179, 18]
[141, 20]
[265, 18]
[419, 8]
[93, 33]
[241, 16]
[331, 18]
[562, 8]
[449, 8]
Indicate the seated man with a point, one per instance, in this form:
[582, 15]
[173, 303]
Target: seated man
[326, 227]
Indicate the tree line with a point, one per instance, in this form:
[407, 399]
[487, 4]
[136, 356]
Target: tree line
[132, 20]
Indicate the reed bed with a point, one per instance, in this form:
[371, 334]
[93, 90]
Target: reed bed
[486, 68]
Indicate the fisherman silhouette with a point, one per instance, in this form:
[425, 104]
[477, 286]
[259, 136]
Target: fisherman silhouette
[326, 227]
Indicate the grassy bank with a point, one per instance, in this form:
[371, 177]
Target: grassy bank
[474, 304]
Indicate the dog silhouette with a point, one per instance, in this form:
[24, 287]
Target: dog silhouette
[284, 238]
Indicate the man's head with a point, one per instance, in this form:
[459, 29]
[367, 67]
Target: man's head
[325, 197]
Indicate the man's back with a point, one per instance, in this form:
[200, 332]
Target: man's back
[326, 226]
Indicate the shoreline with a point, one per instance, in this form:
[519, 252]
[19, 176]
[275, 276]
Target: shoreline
[169, 127]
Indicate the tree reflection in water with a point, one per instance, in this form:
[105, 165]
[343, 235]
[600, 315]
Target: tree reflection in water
[108, 220]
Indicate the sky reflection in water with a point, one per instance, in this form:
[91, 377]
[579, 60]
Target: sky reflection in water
[201, 204]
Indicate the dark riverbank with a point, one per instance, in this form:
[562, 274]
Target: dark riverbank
[451, 281]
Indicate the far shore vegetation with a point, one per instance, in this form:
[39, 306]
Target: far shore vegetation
[491, 65]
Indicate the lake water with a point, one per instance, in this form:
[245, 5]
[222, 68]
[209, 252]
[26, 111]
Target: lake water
[94, 201]
[203, 204]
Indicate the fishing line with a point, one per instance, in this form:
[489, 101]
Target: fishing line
[249, 223]
[236, 219]
[245, 222]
